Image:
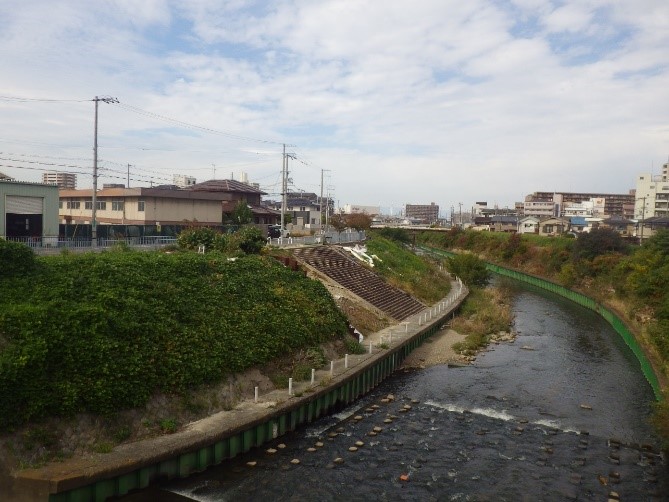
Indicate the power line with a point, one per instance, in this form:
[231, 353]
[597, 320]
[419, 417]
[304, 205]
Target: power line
[188, 125]
[41, 100]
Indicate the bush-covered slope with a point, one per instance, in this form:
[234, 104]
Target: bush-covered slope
[102, 332]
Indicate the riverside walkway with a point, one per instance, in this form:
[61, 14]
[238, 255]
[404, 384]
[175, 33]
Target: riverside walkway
[254, 421]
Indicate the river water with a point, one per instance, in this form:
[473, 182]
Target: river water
[559, 414]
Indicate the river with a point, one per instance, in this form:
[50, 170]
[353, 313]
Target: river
[559, 414]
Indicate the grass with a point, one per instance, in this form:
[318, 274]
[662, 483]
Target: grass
[484, 313]
[405, 270]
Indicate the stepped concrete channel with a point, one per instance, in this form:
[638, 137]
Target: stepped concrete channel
[252, 423]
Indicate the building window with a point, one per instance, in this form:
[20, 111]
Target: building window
[88, 205]
[140, 206]
[101, 205]
[302, 208]
[117, 205]
[73, 204]
[60, 204]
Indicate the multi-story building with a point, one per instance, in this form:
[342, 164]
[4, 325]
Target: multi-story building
[358, 209]
[652, 195]
[423, 212]
[545, 204]
[183, 181]
[63, 180]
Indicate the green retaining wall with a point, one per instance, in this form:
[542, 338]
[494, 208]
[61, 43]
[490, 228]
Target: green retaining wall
[616, 323]
[307, 409]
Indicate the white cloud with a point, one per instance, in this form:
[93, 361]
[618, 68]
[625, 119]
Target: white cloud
[436, 100]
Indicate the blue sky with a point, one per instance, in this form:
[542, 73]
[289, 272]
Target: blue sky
[401, 102]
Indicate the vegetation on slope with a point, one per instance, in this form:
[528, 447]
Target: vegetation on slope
[102, 332]
[405, 270]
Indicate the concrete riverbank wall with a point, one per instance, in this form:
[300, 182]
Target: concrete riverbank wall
[227, 434]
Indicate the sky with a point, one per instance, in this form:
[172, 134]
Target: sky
[389, 102]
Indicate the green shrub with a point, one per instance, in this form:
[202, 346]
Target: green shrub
[469, 268]
[194, 237]
[15, 259]
[101, 332]
[168, 425]
[249, 239]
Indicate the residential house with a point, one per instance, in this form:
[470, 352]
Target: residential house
[305, 214]
[623, 226]
[649, 227]
[553, 226]
[528, 225]
[578, 224]
[499, 223]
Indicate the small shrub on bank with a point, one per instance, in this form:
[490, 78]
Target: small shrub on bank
[15, 259]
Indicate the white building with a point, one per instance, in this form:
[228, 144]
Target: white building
[359, 209]
[652, 195]
[183, 181]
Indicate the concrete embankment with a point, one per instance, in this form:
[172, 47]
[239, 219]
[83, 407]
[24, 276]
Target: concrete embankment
[226, 434]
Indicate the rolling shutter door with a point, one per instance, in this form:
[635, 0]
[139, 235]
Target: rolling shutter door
[15, 204]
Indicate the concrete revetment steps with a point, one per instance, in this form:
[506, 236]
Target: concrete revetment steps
[333, 263]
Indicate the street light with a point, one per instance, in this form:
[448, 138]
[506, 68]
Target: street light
[94, 229]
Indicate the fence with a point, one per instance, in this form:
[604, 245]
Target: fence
[50, 245]
[310, 240]
[47, 245]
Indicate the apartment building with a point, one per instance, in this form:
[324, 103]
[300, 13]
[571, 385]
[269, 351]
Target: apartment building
[424, 213]
[652, 195]
[62, 180]
[547, 204]
[183, 181]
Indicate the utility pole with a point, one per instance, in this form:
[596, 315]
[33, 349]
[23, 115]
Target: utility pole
[460, 203]
[320, 202]
[643, 217]
[283, 189]
[94, 223]
[128, 183]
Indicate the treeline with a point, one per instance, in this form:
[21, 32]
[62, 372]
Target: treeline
[103, 332]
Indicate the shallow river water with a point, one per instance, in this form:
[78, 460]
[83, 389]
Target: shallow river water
[559, 414]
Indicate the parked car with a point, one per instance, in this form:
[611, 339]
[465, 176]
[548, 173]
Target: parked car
[274, 231]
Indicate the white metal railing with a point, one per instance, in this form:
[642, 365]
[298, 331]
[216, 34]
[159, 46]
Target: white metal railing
[45, 245]
[48, 244]
[310, 240]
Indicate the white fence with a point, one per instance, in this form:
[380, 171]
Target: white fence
[47, 245]
[310, 240]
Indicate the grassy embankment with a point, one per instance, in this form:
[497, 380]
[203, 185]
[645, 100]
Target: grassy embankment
[419, 276]
[485, 312]
[629, 279]
[99, 333]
